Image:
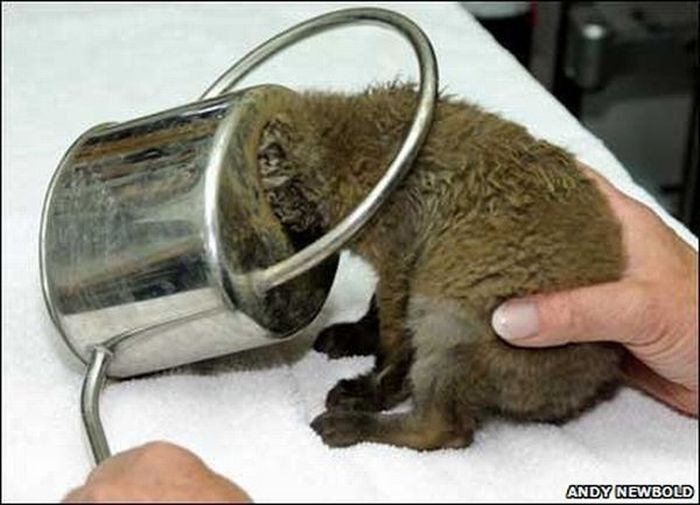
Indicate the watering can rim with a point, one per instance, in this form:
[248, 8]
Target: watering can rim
[214, 165]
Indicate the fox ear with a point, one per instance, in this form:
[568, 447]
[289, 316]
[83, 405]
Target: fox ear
[273, 160]
[283, 167]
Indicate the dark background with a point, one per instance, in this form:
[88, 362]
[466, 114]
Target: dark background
[628, 71]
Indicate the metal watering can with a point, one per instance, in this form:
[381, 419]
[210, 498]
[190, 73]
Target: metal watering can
[158, 247]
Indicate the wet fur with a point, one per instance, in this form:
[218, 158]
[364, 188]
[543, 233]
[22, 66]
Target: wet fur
[486, 213]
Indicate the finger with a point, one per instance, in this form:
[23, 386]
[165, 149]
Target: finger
[125, 460]
[618, 200]
[640, 376]
[606, 312]
[625, 207]
[75, 496]
[604, 185]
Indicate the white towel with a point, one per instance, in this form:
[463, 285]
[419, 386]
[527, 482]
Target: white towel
[67, 67]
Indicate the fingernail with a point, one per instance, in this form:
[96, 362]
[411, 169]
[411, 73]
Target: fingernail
[516, 320]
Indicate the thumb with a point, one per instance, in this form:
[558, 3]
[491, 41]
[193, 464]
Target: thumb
[602, 312]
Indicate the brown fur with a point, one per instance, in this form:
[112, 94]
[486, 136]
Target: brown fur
[486, 213]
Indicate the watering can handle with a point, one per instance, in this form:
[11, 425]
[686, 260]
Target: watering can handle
[90, 405]
[334, 240]
[343, 232]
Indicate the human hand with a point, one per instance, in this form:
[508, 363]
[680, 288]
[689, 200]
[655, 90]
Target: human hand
[652, 310]
[157, 471]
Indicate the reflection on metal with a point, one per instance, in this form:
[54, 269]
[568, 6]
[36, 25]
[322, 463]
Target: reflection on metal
[139, 219]
[158, 247]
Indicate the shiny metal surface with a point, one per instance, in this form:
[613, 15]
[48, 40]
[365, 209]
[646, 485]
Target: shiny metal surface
[587, 55]
[145, 221]
[351, 225]
[89, 403]
[157, 246]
